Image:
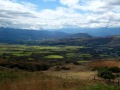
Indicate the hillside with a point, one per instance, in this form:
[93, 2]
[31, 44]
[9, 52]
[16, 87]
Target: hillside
[92, 41]
[99, 32]
[43, 37]
[11, 35]
[79, 35]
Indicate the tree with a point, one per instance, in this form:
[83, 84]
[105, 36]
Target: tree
[106, 74]
[114, 69]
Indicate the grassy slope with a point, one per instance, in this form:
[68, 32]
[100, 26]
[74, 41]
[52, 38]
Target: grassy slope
[39, 81]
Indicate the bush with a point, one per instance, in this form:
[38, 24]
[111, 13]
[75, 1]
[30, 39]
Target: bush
[37, 67]
[118, 75]
[106, 73]
[76, 63]
[65, 68]
[114, 69]
[61, 68]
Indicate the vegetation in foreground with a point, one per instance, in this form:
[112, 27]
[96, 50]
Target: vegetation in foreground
[20, 80]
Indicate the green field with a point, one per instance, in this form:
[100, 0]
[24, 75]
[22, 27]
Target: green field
[54, 56]
[43, 51]
[59, 52]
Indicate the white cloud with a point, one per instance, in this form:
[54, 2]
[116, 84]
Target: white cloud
[78, 14]
[69, 2]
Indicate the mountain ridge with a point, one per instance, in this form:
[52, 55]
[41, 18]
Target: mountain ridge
[44, 37]
[22, 34]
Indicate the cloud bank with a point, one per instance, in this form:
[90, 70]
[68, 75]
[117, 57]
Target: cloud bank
[69, 14]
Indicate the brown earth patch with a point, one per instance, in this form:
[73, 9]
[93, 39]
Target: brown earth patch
[110, 63]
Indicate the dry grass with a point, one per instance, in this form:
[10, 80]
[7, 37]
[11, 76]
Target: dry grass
[76, 72]
[55, 80]
[42, 85]
[40, 81]
[82, 75]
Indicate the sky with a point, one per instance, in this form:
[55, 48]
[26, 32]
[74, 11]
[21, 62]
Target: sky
[58, 14]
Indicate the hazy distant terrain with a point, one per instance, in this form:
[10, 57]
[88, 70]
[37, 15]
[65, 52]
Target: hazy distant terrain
[10, 34]
[44, 37]
[98, 32]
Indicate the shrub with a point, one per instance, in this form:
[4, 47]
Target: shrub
[76, 63]
[114, 69]
[61, 68]
[106, 74]
[118, 75]
[65, 68]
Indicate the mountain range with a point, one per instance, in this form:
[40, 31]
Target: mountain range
[10, 34]
[97, 32]
[59, 37]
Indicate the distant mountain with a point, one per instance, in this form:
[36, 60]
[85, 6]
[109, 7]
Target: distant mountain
[79, 35]
[10, 34]
[94, 41]
[99, 32]
[115, 40]
[44, 37]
